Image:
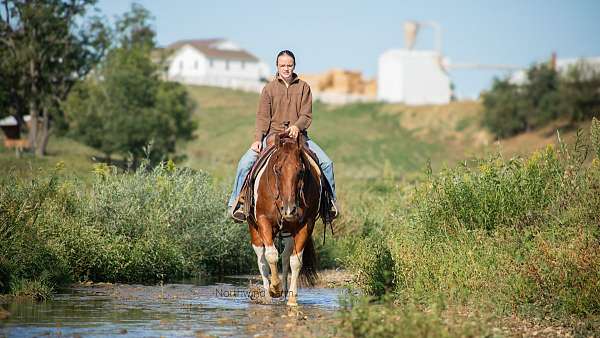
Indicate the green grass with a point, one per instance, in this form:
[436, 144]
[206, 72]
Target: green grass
[36, 289]
[76, 157]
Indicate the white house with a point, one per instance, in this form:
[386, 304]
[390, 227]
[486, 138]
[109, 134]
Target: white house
[412, 77]
[215, 62]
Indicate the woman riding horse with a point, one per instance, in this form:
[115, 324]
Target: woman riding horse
[288, 188]
[285, 99]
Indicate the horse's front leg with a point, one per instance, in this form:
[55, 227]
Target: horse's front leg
[259, 249]
[285, 263]
[299, 241]
[271, 254]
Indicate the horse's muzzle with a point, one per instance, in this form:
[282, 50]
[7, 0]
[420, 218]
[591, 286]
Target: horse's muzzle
[289, 212]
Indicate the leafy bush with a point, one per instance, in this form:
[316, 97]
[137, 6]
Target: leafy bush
[372, 264]
[25, 254]
[546, 95]
[156, 224]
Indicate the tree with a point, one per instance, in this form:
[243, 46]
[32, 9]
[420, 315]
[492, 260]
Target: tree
[47, 46]
[124, 106]
[503, 106]
[545, 96]
[541, 93]
[580, 91]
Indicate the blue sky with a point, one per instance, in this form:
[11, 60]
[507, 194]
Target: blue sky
[352, 34]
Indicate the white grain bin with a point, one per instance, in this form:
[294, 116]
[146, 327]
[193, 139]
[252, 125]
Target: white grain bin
[412, 77]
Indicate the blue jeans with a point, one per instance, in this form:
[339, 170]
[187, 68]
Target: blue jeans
[251, 156]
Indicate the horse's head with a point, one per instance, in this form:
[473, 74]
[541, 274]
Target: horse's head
[289, 170]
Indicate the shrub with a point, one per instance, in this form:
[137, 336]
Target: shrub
[156, 224]
[25, 253]
[493, 193]
[372, 264]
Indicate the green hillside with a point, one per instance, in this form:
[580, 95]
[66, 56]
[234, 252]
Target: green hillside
[369, 140]
[361, 139]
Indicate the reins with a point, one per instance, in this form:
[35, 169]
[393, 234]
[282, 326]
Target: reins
[277, 193]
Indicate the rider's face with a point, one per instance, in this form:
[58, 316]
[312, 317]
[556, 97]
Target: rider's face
[285, 66]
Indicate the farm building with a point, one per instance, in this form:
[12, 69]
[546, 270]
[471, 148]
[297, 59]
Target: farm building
[215, 62]
[412, 77]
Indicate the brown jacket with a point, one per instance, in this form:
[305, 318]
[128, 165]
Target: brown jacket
[279, 104]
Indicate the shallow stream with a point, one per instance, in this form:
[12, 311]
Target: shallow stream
[220, 309]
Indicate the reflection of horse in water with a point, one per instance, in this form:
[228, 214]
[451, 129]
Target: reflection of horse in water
[287, 191]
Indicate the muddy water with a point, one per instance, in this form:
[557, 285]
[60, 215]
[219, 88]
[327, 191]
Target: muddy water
[230, 308]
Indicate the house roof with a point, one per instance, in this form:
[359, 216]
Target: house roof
[209, 48]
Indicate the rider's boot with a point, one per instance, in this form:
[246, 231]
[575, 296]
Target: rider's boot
[237, 211]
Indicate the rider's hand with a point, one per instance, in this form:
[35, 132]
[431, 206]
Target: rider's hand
[256, 146]
[293, 131]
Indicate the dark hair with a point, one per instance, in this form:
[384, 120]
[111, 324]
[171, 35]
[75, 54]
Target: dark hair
[285, 52]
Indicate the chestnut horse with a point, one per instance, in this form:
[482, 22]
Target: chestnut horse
[287, 192]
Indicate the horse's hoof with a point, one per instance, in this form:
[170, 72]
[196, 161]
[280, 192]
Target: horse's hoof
[275, 291]
[275, 294]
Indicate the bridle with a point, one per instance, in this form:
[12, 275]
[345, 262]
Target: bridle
[276, 195]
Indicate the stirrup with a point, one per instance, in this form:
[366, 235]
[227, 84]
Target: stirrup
[333, 212]
[237, 214]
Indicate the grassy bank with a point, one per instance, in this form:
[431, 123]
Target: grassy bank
[493, 238]
[146, 226]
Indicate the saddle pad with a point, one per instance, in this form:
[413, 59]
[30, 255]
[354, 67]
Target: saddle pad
[256, 182]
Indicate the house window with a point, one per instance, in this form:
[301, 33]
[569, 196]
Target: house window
[226, 64]
[196, 64]
[181, 65]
